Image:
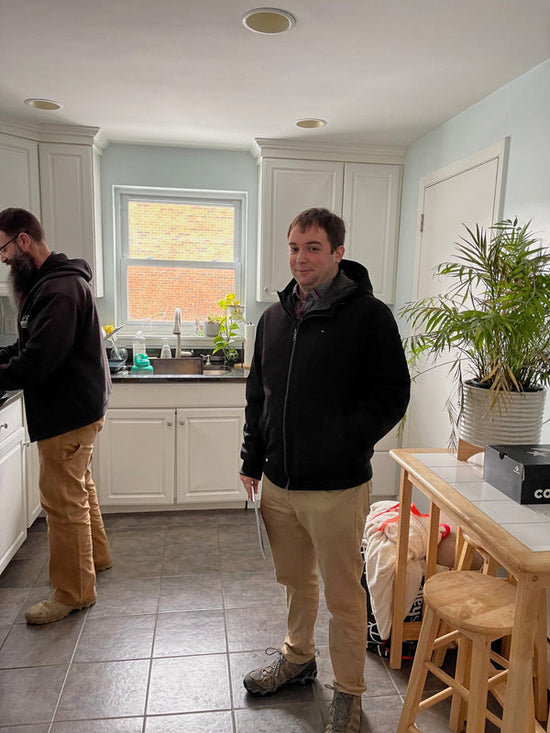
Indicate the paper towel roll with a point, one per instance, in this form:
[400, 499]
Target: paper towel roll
[248, 345]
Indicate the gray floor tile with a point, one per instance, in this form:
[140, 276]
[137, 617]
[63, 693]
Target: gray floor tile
[178, 685]
[127, 596]
[247, 561]
[22, 573]
[255, 628]
[191, 593]
[111, 639]
[144, 565]
[182, 560]
[114, 725]
[198, 538]
[29, 645]
[298, 718]
[12, 600]
[119, 690]
[132, 541]
[29, 695]
[40, 728]
[242, 590]
[219, 722]
[189, 632]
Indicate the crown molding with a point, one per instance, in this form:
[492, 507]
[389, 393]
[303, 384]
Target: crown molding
[267, 148]
[70, 134]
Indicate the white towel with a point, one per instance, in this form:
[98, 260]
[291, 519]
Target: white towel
[380, 543]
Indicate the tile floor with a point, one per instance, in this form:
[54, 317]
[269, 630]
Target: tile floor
[188, 607]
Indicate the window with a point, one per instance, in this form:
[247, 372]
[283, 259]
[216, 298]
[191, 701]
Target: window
[177, 249]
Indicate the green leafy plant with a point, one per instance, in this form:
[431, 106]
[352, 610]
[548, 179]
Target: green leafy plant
[494, 321]
[228, 333]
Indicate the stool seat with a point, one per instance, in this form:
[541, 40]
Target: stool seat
[480, 604]
[478, 609]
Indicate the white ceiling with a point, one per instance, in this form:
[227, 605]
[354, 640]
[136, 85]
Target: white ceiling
[381, 72]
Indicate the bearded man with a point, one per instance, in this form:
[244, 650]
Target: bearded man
[60, 363]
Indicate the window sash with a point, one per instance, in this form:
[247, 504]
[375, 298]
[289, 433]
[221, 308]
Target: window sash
[237, 200]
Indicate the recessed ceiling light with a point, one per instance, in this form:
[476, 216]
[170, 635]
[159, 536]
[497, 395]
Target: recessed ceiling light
[311, 122]
[43, 104]
[268, 20]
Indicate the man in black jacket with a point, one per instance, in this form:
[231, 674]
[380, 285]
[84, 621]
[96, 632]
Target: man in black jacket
[328, 380]
[60, 363]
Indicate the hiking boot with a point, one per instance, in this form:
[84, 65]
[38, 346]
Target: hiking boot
[344, 713]
[267, 680]
[50, 610]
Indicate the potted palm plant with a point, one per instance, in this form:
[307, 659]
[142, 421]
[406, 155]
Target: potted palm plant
[492, 329]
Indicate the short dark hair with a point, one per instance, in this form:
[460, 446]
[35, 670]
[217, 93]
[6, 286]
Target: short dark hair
[324, 219]
[13, 221]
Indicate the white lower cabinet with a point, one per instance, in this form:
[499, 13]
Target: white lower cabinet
[32, 465]
[208, 444]
[13, 525]
[137, 453]
[153, 455]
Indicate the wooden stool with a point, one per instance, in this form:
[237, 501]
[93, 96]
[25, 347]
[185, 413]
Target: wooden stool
[480, 609]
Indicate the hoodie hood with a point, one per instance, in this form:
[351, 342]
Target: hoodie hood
[59, 265]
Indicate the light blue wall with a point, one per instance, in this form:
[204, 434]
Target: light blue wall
[520, 111]
[171, 167]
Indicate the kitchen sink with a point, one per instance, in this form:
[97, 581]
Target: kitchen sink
[181, 365]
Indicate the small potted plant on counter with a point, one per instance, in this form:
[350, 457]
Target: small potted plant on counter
[211, 326]
[228, 337]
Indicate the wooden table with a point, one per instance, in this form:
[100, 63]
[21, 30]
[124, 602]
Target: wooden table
[517, 536]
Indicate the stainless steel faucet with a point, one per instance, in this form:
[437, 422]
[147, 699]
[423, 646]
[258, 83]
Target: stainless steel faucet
[177, 331]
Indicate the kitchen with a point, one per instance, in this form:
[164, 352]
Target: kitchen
[518, 109]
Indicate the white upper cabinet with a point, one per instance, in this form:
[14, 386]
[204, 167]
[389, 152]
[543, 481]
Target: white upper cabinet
[371, 212]
[366, 194]
[68, 187]
[19, 182]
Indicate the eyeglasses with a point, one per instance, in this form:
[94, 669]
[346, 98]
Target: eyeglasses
[3, 247]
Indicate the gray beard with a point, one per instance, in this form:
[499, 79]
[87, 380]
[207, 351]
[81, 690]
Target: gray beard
[22, 277]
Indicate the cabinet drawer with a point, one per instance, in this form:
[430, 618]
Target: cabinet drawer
[11, 419]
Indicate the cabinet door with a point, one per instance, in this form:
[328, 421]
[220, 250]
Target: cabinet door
[371, 211]
[19, 182]
[13, 526]
[287, 187]
[134, 457]
[68, 192]
[208, 455]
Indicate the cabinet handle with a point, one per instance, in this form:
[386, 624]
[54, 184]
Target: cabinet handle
[169, 423]
[4, 425]
[269, 290]
[182, 422]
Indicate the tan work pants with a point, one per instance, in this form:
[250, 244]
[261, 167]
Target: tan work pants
[76, 533]
[307, 529]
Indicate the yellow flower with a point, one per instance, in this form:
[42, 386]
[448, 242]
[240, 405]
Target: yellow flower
[109, 328]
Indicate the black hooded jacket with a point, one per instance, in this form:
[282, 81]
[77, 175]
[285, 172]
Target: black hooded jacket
[322, 391]
[59, 359]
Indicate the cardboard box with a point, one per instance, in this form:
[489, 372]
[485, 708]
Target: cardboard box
[522, 472]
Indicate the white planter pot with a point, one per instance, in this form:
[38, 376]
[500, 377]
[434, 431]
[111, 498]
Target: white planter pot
[210, 329]
[513, 420]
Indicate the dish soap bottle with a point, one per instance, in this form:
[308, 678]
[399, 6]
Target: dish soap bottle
[138, 345]
[166, 351]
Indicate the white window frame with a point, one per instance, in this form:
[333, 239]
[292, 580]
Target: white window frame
[123, 194]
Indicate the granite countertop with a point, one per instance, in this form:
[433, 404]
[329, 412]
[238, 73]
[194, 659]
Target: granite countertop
[8, 397]
[128, 377]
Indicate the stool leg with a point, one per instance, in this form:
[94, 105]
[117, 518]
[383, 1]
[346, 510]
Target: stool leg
[417, 679]
[541, 699]
[479, 682]
[457, 718]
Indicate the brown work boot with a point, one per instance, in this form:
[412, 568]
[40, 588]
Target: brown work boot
[45, 612]
[344, 713]
[267, 680]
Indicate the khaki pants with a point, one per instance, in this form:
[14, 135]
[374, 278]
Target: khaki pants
[76, 533]
[307, 529]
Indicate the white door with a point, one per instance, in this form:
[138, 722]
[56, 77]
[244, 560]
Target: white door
[465, 192]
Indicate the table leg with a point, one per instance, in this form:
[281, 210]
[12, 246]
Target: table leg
[518, 711]
[400, 583]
